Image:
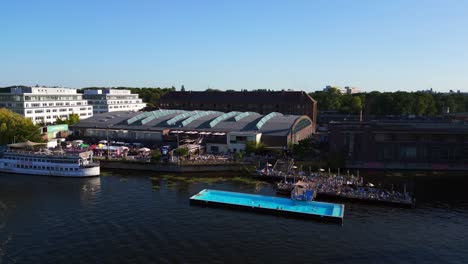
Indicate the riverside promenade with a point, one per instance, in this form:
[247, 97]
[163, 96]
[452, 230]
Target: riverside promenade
[182, 167]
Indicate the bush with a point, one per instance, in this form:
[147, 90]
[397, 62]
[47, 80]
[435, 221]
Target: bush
[253, 147]
[181, 152]
[238, 156]
[155, 155]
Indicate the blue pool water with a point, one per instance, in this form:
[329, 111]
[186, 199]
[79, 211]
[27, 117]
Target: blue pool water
[270, 202]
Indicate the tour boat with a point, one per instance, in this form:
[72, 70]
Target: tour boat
[49, 163]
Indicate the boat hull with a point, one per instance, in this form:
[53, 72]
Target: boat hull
[90, 171]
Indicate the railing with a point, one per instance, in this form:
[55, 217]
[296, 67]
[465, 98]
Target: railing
[90, 165]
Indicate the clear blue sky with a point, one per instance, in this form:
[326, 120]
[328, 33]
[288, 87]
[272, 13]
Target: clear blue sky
[384, 45]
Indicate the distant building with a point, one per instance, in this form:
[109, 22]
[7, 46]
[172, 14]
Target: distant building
[45, 104]
[216, 131]
[112, 100]
[429, 91]
[346, 90]
[401, 145]
[262, 102]
[352, 90]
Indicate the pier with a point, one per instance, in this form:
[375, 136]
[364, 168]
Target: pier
[340, 188]
[268, 204]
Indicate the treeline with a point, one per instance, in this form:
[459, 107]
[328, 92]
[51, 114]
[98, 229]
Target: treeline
[149, 95]
[15, 127]
[388, 103]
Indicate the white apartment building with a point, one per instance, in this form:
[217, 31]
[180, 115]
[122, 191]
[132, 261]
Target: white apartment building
[111, 100]
[45, 104]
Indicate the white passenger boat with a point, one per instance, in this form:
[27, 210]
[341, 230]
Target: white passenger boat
[49, 163]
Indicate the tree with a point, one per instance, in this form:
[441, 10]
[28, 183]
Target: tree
[73, 119]
[356, 104]
[329, 99]
[3, 128]
[212, 90]
[156, 155]
[238, 156]
[303, 148]
[182, 151]
[147, 94]
[70, 120]
[254, 147]
[15, 127]
[182, 88]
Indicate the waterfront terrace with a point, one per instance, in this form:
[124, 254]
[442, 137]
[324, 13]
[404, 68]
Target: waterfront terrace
[218, 132]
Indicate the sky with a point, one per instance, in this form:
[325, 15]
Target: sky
[384, 45]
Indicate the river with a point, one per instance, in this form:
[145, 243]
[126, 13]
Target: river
[133, 217]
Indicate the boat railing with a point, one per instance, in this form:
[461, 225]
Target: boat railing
[43, 154]
[91, 164]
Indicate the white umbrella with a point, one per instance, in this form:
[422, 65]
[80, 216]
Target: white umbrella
[144, 149]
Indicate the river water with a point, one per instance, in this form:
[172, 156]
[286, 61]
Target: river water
[132, 217]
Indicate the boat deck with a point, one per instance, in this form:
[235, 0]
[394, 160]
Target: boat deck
[269, 204]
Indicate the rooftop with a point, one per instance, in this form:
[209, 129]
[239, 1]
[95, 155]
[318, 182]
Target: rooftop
[210, 121]
[246, 97]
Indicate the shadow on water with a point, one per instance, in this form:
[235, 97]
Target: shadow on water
[427, 187]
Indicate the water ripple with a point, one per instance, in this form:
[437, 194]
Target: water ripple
[109, 220]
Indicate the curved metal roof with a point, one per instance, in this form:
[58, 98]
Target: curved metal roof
[208, 121]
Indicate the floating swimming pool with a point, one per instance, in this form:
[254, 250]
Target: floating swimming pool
[285, 206]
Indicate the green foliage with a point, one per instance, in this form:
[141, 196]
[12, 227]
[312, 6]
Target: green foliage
[328, 100]
[212, 90]
[15, 127]
[303, 148]
[238, 156]
[396, 103]
[70, 120]
[156, 155]
[253, 147]
[181, 151]
[147, 94]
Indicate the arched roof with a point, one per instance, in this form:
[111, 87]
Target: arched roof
[273, 123]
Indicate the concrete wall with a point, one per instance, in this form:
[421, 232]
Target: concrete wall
[170, 168]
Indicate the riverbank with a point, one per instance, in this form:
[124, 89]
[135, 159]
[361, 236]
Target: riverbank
[177, 168]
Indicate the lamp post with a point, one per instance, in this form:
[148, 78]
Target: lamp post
[107, 132]
[177, 139]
